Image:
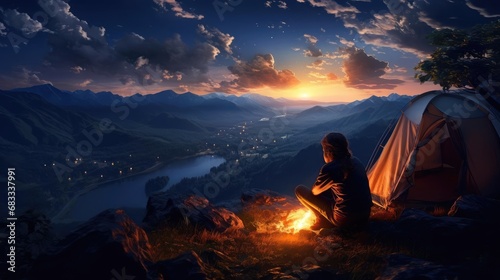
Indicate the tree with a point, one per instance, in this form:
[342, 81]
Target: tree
[465, 59]
[156, 184]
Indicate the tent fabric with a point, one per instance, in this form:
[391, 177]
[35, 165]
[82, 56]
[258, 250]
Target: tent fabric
[443, 145]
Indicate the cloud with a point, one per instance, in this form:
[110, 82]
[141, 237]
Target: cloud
[127, 81]
[172, 54]
[317, 64]
[217, 38]
[279, 4]
[85, 83]
[76, 45]
[365, 72]
[332, 7]
[282, 5]
[311, 39]
[168, 76]
[345, 42]
[403, 32]
[399, 69]
[406, 25]
[331, 76]
[2, 28]
[176, 7]
[336, 55]
[312, 50]
[487, 9]
[446, 14]
[141, 61]
[326, 77]
[21, 21]
[73, 42]
[22, 77]
[77, 69]
[257, 73]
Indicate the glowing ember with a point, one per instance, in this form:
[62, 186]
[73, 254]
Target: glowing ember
[296, 220]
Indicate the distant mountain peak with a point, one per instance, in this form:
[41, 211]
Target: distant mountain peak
[391, 97]
[394, 96]
[166, 92]
[38, 88]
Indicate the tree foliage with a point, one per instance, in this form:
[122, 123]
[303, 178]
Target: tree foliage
[463, 58]
[156, 184]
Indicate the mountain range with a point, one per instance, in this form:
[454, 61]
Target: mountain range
[85, 98]
[46, 114]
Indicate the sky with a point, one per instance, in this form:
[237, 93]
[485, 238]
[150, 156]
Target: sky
[324, 50]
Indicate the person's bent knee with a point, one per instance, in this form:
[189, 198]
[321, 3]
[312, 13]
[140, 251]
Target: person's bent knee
[300, 190]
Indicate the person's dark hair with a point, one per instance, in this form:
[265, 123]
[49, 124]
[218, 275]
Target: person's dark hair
[336, 144]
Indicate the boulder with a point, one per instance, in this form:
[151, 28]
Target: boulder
[261, 197]
[454, 236]
[108, 246]
[401, 267]
[191, 210]
[476, 207]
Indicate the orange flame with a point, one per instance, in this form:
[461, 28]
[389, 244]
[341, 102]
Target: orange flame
[296, 220]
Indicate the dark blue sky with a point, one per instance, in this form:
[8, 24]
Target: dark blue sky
[319, 49]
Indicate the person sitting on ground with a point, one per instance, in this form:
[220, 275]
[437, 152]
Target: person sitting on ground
[341, 195]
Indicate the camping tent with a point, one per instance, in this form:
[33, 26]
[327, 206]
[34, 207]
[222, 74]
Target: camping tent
[443, 145]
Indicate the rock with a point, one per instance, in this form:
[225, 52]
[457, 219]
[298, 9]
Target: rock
[476, 207]
[110, 245]
[187, 266]
[453, 236]
[189, 209]
[233, 205]
[421, 225]
[261, 197]
[404, 267]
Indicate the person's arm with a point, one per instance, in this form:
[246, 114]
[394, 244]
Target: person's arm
[326, 179]
[319, 189]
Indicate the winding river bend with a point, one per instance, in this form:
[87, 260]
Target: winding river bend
[130, 193]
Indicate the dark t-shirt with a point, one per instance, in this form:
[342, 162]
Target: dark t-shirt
[353, 196]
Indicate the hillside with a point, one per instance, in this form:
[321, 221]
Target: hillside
[260, 237]
[55, 148]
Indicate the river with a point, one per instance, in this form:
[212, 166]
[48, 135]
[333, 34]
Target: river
[130, 193]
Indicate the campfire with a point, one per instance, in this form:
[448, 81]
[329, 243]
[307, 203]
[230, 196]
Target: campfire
[291, 222]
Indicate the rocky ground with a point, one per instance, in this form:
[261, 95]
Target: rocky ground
[187, 237]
